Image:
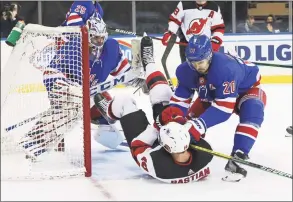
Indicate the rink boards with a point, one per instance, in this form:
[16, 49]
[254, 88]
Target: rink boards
[272, 49]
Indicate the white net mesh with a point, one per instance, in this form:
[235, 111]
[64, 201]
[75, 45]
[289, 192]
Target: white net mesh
[42, 130]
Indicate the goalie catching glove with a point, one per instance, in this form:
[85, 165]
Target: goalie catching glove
[66, 94]
[66, 104]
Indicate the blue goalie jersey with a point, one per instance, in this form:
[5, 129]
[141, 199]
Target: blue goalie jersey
[67, 64]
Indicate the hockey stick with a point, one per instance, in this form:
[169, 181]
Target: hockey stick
[25, 121]
[247, 163]
[138, 34]
[185, 44]
[167, 51]
[272, 65]
[110, 83]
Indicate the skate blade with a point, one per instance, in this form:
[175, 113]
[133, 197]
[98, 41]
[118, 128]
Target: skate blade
[232, 177]
[288, 135]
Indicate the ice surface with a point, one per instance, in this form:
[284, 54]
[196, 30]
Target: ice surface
[117, 177]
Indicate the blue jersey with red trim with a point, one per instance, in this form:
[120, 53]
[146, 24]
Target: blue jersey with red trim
[81, 11]
[67, 63]
[227, 78]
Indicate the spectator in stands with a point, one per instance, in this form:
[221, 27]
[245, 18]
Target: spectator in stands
[271, 25]
[9, 18]
[248, 26]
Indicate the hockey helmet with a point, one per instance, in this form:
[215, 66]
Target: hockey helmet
[199, 52]
[174, 137]
[97, 32]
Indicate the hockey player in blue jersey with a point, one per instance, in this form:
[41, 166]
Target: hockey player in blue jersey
[225, 84]
[62, 79]
[81, 11]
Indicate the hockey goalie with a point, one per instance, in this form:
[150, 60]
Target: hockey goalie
[64, 91]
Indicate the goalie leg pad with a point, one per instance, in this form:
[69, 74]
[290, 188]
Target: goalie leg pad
[108, 137]
[48, 131]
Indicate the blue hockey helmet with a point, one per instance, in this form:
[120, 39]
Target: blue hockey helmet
[199, 52]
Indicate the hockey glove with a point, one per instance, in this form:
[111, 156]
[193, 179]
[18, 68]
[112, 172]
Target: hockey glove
[166, 37]
[170, 114]
[216, 43]
[196, 128]
[66, 94]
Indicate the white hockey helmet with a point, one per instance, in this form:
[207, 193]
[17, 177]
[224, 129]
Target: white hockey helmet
[174, 137]
[97, 32]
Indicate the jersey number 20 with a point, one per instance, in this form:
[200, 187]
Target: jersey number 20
[229, 87]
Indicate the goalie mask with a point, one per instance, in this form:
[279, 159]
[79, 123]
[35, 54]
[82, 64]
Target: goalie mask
[97, 33]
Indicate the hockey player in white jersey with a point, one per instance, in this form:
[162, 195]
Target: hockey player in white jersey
[161, 149]
[196, 18]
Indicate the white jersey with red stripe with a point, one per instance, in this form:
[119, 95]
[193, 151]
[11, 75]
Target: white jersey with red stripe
[154, 160]
[228, 78]
[81, 11]
[111, 61]
[197, 19]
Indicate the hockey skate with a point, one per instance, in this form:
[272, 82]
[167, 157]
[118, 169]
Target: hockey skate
[110, 136]
[234, 173]
[147, 51]
[102, 104]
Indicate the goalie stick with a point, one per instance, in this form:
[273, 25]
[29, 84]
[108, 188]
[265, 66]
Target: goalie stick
[25, 121]
[122, 31]
[247, 163]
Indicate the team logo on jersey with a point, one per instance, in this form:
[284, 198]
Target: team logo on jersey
[196, 26]
[202, 80]
[190, 172]
[125, 49]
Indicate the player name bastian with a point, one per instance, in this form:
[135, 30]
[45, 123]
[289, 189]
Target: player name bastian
[193, 177]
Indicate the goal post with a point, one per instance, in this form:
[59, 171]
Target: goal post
[86, 102]
[26, 82]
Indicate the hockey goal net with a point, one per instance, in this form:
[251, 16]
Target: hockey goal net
[25, 102]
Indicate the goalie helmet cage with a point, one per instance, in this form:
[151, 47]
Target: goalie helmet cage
[24, 96]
